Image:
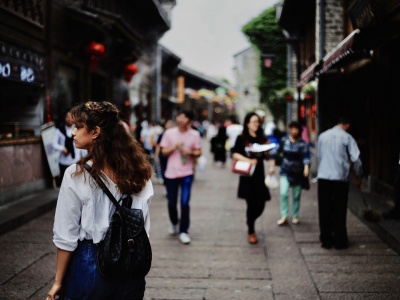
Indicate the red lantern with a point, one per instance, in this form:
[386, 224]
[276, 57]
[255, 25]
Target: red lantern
[289, 98]
[95, 50]
[130, 70]
[308, 97]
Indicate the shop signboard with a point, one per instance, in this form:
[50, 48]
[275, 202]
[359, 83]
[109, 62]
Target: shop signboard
[47, 132]
[20, 65]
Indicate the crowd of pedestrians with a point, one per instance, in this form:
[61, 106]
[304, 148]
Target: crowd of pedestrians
[92, 132]
[174, 151]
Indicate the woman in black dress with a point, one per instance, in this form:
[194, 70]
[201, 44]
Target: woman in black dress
[252, 188]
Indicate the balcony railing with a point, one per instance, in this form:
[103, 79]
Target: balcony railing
[30, 10]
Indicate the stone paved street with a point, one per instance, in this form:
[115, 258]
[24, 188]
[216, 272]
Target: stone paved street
[287, 263]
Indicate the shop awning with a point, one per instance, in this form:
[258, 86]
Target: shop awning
[347, 50]
[344, 49]
[355, 46]
[308, 74]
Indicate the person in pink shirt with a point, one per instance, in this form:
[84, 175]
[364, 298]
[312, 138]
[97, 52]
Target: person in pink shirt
[182, 145]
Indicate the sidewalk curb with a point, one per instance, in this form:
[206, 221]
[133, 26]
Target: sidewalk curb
[388, 231]
[16, 214]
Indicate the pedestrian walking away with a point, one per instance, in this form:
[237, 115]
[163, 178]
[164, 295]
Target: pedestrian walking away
[336, 149]
[158, 156]
[252, 188]
[218, 146]
[182, 145]
[83, 210]
[294, 171]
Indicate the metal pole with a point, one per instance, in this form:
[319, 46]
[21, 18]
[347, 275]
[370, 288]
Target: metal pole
[158, 84]
[289, 80]
[298, 65]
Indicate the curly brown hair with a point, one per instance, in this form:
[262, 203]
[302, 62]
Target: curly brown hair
[114, 146]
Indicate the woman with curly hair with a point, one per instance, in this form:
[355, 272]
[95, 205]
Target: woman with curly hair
[252, 188]
[83, 210]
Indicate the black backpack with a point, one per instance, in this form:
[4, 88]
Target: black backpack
[125, 251]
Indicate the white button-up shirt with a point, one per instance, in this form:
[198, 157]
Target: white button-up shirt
[84, 211]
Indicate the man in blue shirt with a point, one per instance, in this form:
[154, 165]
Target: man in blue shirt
[336, 150]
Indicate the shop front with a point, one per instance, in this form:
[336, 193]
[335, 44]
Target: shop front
[22, 111]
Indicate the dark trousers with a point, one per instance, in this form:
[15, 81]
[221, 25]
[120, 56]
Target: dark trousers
[332, 210]
[255, 208]
[172, 194]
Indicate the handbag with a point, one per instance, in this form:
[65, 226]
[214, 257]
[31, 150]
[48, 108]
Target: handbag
[271, 181]
[305, 183]
[125, 251]
[243, 167]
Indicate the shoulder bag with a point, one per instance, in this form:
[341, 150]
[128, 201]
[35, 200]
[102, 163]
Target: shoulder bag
[125, 251]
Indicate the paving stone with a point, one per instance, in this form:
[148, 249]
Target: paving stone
[350, 283]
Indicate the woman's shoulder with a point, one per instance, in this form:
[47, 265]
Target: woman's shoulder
[146, 193]
[73, 176]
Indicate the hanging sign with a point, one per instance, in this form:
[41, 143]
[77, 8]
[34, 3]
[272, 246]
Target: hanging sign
[20, 65]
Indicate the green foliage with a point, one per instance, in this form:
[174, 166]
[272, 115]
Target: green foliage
[286, 91]
[264, 33]
[308, 89]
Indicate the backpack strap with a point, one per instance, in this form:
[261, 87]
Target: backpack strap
[102, 185]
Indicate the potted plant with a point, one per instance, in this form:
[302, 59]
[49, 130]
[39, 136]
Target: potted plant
[308, 91]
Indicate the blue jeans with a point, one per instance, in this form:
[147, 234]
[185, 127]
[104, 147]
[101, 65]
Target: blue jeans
[172, 194]
[83, 281]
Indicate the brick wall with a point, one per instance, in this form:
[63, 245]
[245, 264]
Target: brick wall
[333, 24]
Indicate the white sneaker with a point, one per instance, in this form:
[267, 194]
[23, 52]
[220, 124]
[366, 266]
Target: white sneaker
[173, 229]
[184, 237]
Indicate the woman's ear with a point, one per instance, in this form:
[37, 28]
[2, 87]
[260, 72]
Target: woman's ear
[96, 132]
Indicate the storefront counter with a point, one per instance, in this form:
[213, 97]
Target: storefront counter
[22, 168]
[20, 141]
